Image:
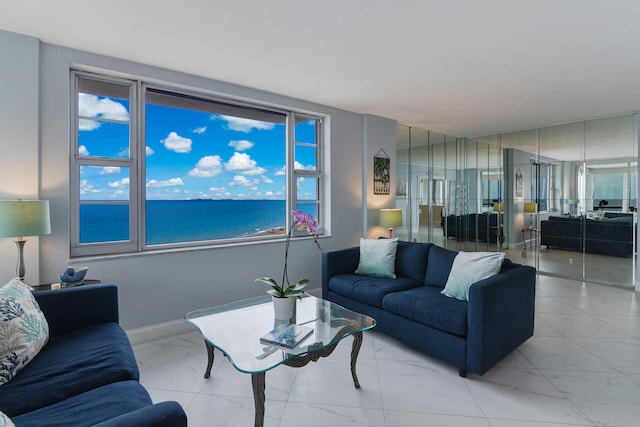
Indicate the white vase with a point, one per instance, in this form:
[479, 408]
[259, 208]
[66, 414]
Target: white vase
[283, 308]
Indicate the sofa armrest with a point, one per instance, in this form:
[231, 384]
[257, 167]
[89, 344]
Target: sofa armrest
[163, 414]
[500, 317]
[69, 309]
[338, 261]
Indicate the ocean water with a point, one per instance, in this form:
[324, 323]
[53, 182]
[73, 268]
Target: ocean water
[170, 221]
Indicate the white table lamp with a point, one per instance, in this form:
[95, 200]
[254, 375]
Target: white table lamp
[20, 218]
[390, 218]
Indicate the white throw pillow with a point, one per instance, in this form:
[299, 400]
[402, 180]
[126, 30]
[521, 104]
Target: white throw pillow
[378, 257]
[23, 329]
[469, 268]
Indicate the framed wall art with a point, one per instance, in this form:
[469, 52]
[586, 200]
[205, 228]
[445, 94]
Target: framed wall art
[519, 188]
[381, 173]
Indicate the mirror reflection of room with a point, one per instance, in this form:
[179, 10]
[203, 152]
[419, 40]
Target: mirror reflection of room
[561, 198]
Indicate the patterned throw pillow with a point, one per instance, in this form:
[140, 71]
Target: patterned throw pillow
[5, 421]
[23, 329]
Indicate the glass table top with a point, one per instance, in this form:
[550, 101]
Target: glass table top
[236, 328]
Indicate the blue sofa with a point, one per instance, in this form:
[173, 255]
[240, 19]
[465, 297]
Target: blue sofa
[473, 335]
[86, 374]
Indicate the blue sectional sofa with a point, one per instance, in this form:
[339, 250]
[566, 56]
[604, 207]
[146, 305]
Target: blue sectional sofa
[473, 335]
[86, 374]
[611, 235]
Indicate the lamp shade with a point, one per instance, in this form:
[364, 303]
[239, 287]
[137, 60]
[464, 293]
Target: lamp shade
[19, 218]
[498, 207]
[531, 207]
[390, 218]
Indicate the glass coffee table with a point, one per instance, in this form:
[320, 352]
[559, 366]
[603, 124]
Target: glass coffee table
[235, 329]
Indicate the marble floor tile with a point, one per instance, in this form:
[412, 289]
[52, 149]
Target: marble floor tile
[561, 353]
[316, 415]
[581, 368]
[523, 394]
[417, 419]
[328, 381]
[420, 387]
[621, 355]
[581, 326]
[609, 399]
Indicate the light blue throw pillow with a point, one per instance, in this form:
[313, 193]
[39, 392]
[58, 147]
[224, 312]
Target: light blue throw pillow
[378, 257]
[469, 268]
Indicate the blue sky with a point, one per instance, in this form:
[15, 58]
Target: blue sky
[189, 154]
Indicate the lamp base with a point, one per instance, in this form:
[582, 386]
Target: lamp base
[20, 270]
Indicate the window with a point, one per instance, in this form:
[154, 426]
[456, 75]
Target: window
[154, 167]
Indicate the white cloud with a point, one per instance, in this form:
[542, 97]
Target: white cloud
[177, 143]
[241, 144]
[266, 180]
[85, 187]
[300, 166]
[242, 162]
[200, 130]
[207, 167]
[172, 182]
[148, 151]
[280, 172]
[82, 150]
[124, 182]
[217, 189]
[107, 170]
[245, 125]
[124, 152]
[92, 106]
[269, 193]
[242, 181]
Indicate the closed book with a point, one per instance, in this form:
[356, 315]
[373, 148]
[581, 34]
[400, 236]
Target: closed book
[287, 335]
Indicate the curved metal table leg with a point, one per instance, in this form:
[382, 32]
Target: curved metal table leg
[207, 372]
[355, 349]
[257, 381]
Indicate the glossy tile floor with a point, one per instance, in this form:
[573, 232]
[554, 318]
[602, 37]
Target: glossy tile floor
[581, 368]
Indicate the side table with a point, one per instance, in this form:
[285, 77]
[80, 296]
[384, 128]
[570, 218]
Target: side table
[54, 286]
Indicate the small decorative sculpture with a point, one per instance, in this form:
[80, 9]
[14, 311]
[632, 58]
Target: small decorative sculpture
[73, 276]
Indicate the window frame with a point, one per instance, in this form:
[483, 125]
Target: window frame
[136, 163]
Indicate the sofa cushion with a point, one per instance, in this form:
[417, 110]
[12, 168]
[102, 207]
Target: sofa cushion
[428, 306]
[469, 268]
[23, 329]
[411, 260]
[439, 265]
[90, 407]
[71, 364]
[378, 257]
[369, 290]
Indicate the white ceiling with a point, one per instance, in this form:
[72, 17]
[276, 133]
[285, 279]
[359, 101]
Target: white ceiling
[465, 67]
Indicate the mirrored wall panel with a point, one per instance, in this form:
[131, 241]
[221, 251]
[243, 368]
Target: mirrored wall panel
[561, 198]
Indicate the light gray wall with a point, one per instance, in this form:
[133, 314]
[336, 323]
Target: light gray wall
[19, 156]
[379, 134]
[162, 287]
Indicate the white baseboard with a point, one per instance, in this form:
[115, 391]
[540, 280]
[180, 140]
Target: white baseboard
[159, 331]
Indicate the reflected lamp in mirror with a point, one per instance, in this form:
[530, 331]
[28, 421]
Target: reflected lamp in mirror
[573, 205]
[390, 218]
[531, 208]
[20, 218]
[498, 207]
